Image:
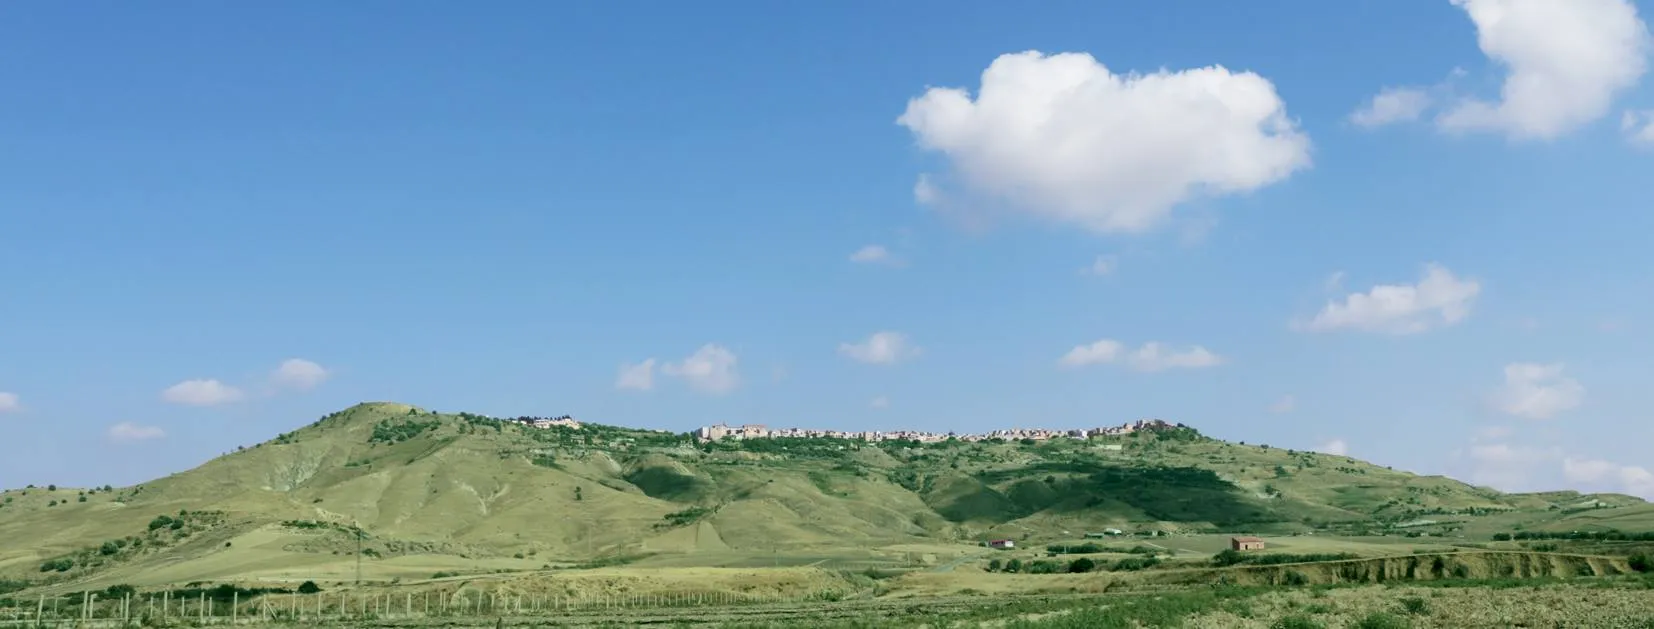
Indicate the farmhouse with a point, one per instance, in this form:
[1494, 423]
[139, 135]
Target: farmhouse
[1002, 544]
[1245, 543]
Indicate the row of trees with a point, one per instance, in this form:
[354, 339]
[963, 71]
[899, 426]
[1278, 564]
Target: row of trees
[1082, 564]
[1597, 536]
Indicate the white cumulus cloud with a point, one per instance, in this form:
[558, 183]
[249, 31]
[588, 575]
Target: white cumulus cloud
[1335, 446]
[882, 348]
[636, 377]
[1631, 479]
[925, 192]
[1638, 127]
[1150, 357]
[9, 402]
[711, 369]
[202, 392]
[1587, 470]
[1637, 481]
[128, 431]
[1392, 105]
[1064, 137]
[298, 373]
[1537, 391]
[1507, 467]
[1565, 62]
[872, 254]
[1438, 299]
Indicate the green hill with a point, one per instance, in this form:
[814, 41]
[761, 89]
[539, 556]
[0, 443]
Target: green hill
[425, 493]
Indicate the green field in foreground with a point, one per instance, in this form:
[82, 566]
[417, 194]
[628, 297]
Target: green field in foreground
[1600, 602]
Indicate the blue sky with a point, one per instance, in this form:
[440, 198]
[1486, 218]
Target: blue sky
[219, 222]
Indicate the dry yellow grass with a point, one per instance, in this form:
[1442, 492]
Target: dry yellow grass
[1446, 608]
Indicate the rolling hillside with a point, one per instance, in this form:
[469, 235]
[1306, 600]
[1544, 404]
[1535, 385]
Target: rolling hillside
[424, 492]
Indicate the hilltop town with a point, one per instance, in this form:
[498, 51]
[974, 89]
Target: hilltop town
[719, 432]
[758, 431]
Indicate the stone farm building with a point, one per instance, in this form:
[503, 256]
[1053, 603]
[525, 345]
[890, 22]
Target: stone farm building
[1002, 543]
[1245, 543]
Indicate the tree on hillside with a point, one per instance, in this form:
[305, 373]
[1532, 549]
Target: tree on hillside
[1641, 562]
[309, 587]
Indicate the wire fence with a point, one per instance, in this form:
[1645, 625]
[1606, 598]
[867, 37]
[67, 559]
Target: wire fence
[89, 610]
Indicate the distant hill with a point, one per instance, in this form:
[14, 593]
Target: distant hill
[423, 492]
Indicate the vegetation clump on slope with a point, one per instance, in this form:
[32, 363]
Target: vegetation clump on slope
[392, 431]
[163, 531]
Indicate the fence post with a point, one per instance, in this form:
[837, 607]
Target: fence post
[235, 606]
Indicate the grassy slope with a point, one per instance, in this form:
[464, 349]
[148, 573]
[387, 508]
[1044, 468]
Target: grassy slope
[439, 492]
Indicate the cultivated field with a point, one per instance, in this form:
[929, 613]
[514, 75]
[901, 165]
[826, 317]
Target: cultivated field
[1609, 603]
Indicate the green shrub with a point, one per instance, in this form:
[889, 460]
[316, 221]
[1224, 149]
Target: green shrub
[1296, 621]
[396, 431]
[545, 460]
[684, 517]
[1381, 620]
[61, 564]
[1295, 578]
[1641, 562]
[1083, 564]
[1501, 537]
[994, 565]
[309, 587]
[1135, 563]
[1045, 567]
[108, 548]
[1415, 606]
[1228, 557]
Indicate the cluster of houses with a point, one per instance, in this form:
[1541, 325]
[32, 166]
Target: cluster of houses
[547, 422]
[758, 431]
[1243, 543]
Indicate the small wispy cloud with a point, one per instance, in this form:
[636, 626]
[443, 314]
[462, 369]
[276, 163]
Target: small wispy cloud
[129, 432]
[202, 392]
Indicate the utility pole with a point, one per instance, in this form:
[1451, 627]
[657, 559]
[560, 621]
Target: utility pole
[358, 528]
